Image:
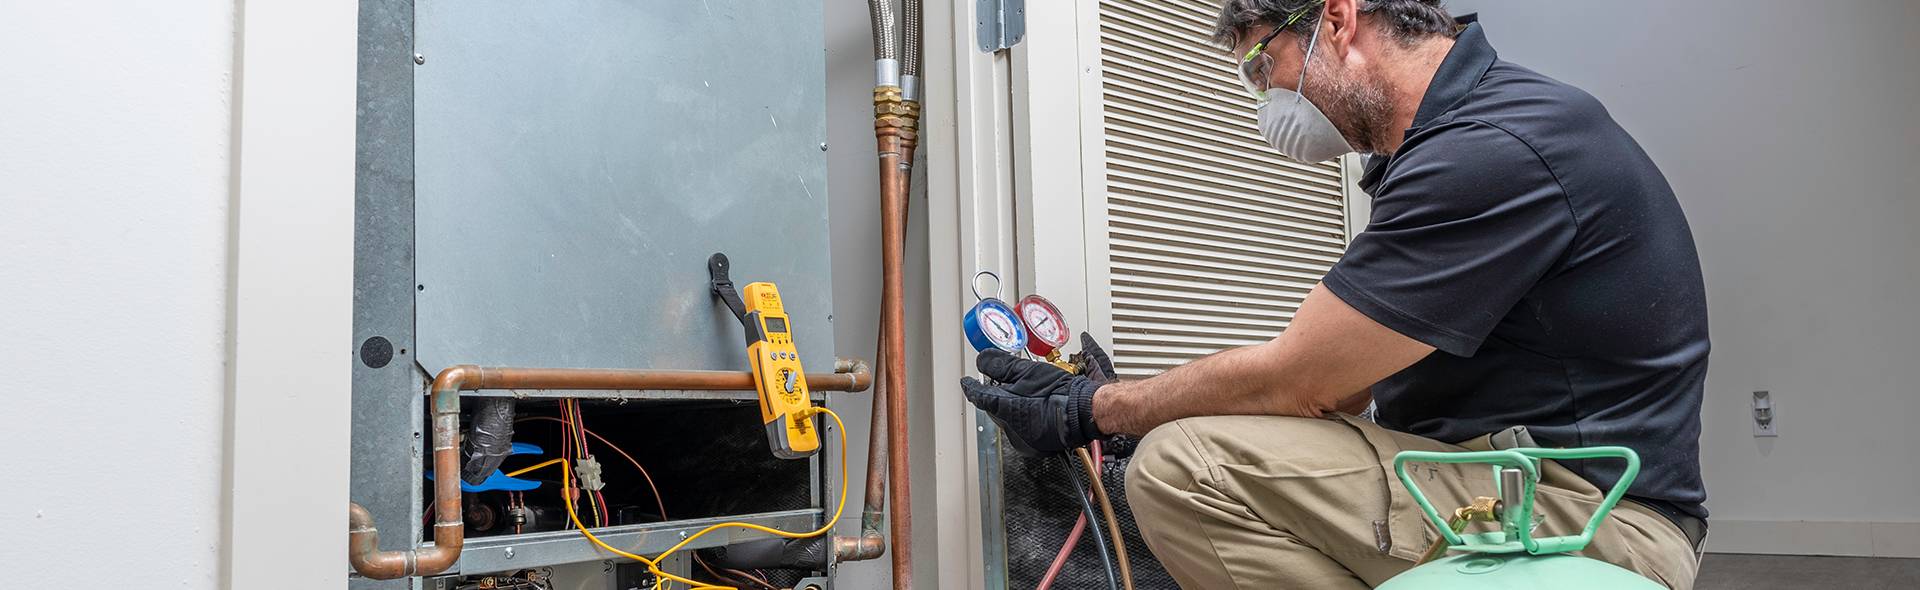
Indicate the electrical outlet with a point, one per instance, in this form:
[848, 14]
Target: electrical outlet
[1763, 414]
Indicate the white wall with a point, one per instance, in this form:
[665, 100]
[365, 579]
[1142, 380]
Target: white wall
[290, 301]
[114, 143]
[1792, 137]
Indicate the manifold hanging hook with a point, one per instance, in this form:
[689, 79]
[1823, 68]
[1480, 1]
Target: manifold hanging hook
[999, 286]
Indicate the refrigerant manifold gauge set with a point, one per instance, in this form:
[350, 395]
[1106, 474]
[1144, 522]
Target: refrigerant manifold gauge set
[1032, 325]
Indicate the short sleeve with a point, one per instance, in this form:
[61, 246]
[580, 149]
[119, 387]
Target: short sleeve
[1466, 220]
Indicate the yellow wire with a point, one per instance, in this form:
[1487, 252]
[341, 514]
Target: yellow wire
[517, 473]
[653, 565]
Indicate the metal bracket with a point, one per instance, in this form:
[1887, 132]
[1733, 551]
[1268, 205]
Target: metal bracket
[993, 503]
[1001, 23]
[722, 285]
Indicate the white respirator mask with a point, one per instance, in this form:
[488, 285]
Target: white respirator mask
[1289, 122]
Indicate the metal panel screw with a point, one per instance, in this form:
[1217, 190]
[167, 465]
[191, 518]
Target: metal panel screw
[509, 553]
[823, 147]
[419, 59]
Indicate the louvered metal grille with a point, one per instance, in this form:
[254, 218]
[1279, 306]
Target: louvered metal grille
[1215, 239]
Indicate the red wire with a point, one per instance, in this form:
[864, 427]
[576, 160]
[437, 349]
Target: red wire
[601, 513]
[571, 450]
[572, 446]
[566, 449]
[623, 453]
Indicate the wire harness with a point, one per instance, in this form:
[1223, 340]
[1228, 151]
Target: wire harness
[653, 563]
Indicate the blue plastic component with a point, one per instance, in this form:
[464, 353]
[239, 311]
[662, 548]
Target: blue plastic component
[1009, 323]
[498, 481]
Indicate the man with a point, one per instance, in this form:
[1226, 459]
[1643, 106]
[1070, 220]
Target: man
[1526, 266]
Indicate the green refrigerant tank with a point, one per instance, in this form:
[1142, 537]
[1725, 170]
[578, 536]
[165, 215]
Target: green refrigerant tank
[1511, 558]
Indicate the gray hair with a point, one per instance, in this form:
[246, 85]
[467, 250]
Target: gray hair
[1407, 20]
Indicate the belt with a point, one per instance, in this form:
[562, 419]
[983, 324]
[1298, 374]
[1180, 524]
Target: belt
[1694, 527]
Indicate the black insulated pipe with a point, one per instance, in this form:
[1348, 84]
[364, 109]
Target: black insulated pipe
[801, 554]
[489, 439]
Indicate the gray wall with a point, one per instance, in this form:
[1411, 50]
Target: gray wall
[1792, 134]
[854, 209]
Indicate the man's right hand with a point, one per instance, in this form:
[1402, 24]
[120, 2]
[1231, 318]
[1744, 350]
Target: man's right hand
[1041, 408]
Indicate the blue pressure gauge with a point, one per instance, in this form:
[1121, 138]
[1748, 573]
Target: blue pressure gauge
[991, 323]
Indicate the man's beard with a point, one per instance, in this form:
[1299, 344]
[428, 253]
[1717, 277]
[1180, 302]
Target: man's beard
[1356, 103]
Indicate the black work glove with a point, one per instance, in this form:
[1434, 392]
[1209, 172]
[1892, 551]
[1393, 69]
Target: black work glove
[1042, 409]
[1092, 361]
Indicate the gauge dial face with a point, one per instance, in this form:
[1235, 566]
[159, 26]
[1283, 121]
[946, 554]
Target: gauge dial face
[1044, 323]
[992, 324]
[998, 324]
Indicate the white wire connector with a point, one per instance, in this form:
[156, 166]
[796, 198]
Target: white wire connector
[587, 470]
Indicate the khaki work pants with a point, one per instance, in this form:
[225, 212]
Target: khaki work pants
[1265, 502]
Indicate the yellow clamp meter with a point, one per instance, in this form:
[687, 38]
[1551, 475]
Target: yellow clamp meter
[777, 373]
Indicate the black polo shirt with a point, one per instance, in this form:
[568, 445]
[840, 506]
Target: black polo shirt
[1522, 233]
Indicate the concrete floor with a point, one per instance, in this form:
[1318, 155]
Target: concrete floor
[1731, 571]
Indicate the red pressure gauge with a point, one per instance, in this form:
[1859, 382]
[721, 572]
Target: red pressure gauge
[1046, 327]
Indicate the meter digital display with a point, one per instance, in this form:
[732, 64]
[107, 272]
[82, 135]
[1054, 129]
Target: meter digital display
[777, 325]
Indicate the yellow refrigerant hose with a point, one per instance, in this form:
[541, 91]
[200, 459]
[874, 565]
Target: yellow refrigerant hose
[653, 565]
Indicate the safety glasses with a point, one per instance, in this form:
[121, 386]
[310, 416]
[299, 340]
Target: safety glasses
[1256, 67]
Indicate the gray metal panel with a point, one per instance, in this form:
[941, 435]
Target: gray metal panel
[993, 505]
[578, 160]
[387, 399]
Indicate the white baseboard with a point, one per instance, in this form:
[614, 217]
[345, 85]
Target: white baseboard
[1807, 537]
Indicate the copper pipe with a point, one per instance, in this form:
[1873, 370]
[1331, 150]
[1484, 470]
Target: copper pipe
[640, 380]
[891, 128]
[861, 375]
[874, 515]
[449, 531]
[872, 541]
[900, 119]
[363, 548]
